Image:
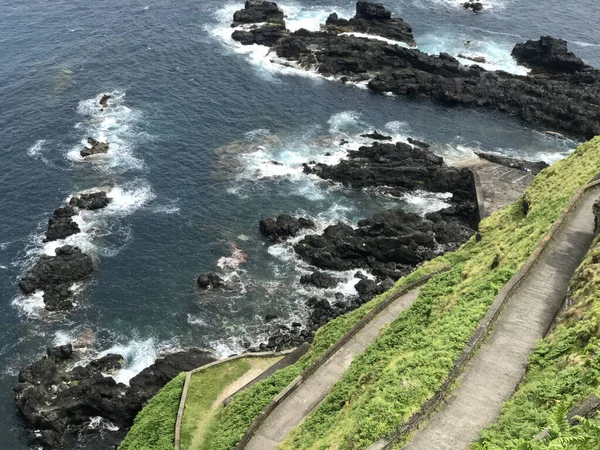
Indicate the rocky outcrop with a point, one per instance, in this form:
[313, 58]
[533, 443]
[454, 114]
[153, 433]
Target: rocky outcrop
[95, 147]
[58, 401]
[283, 227]
[560, 94]
[372, 18]
[534, 167]
[473, 6]
[389, 244]
[209, 280]
[61, 224]
[266, 35]
[90, 201]
[56, 274]
[549, 55]
[104, 100]
[477, 59]
[258, 11]
[320, 280]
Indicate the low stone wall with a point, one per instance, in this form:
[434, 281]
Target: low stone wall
[289, 389]
[215, 363]
[483, 329]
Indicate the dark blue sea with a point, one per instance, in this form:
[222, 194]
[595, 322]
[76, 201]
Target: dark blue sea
[194, 125]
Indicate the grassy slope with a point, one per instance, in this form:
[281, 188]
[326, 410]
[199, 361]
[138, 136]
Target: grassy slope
[564, 369]
[205, 387]
[404, 366]
[154, 426]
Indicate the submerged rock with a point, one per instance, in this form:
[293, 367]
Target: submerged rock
[283, 227]
[534, 167]
[56, 274]
[96, 147]
[59, 401]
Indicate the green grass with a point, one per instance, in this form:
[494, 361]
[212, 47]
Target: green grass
[205, 387]
[412, 356]
[154, 426]
[564, 369]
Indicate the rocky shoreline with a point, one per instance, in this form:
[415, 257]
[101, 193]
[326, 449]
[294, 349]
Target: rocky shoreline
[68, 403]
[560, 93]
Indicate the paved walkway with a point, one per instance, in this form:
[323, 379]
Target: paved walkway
[493, 374]
[500, 185]
[314, 389]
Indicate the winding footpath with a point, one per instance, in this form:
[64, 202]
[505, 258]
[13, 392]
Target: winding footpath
[494, 373]
[296, 407]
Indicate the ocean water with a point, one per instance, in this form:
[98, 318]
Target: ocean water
[194, 125]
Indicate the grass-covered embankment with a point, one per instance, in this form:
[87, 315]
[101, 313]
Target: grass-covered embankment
[154, 426]
[412, 357]
[564, 369]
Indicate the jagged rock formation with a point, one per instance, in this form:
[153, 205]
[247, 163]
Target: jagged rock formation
[61, 224]
[96, 147]
[56, 274]
[58, 402]
[560, 94]
[283, 227]
[534, 167]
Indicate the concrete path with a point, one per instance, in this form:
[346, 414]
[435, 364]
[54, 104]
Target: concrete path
[500, 185]
[493, 374]
[295, 408]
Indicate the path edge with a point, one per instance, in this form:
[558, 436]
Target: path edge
[290, 388]
[484, 327]
[189, 374]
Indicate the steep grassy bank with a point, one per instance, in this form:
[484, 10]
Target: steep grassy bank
[411, 358]
[564, 370]
[154, 426]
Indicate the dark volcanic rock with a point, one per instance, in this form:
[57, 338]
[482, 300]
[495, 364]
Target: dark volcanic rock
[377, 136]
[104, 100]
[474, 6]
[417, 143]
[266, 35]
[91, 201]
[209, 280]
[61, 224]
[59, 403]
[560, 94]
[477, 59]
[548, 55]
[95, 148]
[257, 11]
[534, 167]
[372, 18]
[283, 227]
[55, 274]
[320, 280]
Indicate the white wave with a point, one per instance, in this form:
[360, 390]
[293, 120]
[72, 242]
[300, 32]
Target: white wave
[377, 38]
[427, 202]
[497, 54]
[345, 123]
[97, 422]
[138, 354]
[30, 305]
[257, 134]
[310, 17]
[37, 148]
[584, 44]
[487, 4]
[116, 125]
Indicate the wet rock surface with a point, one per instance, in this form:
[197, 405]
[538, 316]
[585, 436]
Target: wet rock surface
[320, 280]
[559, 94]
[61, 224]
[56, 274]
[473, 6]
[257, 11]
[534, 167]
[90, 201]
[283, 227]
[58, 400]
[209, 280]
[95, 147]
[104, 100]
